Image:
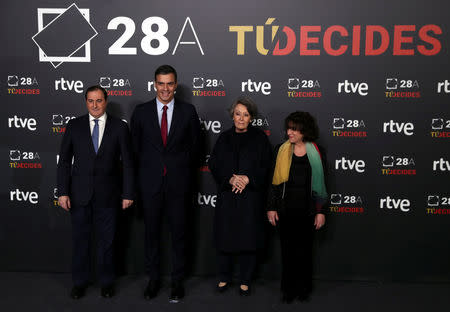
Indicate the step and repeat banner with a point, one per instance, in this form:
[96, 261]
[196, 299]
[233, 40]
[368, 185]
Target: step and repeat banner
[375, 75]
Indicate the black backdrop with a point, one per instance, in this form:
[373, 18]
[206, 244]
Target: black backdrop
[387, 129]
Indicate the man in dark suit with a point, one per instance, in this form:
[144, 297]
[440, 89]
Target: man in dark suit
[92, 187]
[165, 134]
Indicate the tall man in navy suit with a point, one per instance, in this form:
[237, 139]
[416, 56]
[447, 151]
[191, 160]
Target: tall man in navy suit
[94, 186]
[165, 135]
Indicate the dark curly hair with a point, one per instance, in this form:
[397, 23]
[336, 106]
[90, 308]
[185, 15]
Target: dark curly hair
[303, 122]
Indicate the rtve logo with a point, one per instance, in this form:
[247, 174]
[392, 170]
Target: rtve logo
[69, 85]
[18, 122]
[441, 165]
[210, 125]
[407, 128]
[362, 88]
[347, 164]
[18, 195]
[253, 86]
[392, 203]
[443, 86]
[203, 199]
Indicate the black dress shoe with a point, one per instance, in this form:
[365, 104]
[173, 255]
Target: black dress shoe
[107, 291]
[222, 289]
[176, 292]
[244, 293]
[77, 292]
[151, 290]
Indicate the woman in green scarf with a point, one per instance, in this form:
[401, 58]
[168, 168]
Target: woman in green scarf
[296, 203]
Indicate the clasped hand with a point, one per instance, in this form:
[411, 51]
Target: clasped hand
[238, 183]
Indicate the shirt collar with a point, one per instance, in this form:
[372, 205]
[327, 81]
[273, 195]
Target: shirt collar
[102, 118]
[169, 106]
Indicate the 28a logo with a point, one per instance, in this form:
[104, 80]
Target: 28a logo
[158, 36]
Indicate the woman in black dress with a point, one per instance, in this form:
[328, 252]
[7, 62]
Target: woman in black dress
[240, 163]
[296, 203]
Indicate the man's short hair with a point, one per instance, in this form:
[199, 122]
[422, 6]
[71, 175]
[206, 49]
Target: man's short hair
[165, 70]
[95, 88]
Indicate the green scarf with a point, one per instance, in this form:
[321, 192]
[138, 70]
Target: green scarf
[283, 165]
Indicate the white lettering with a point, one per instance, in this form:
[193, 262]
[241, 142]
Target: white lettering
[188, 20]
[18, 122]
[362, 88]
[347, 164]
[441, 164]
[253, 86]
[207, 200]
[19, 195]
[443, 85]
[392, 203]
[69, 85]
[398, 127]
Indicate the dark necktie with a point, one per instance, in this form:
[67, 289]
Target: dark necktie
[164, 131]
[95, 136]
[164, 125]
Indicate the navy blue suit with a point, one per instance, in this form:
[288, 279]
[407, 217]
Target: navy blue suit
[95, 183]
[165, 194]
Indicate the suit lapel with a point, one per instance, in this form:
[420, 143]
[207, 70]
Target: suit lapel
[155, 129]
[174, 124]
[87, 134]
[106, 135]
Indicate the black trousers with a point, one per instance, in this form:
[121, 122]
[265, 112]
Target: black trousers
[99, 215]
[174, 207]
[247, 263]
[296, 240]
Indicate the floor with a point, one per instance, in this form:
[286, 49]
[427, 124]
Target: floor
[49, 292]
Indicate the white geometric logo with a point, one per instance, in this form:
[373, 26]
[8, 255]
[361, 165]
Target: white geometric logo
[105, 82]
[74, 32]
[13, 81]
[198, 82]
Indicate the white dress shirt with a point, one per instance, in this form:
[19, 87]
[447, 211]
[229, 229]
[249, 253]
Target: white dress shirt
[159, 109]
[101, 126]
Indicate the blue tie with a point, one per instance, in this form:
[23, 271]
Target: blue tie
[95, 136]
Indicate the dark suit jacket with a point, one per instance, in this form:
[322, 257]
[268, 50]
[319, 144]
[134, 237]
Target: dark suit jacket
[179, 156]
[99, 173]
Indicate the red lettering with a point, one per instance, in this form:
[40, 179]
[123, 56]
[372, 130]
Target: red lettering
[356, 44]
[435, 43]
[305, 40]
[399, 39]
[370, 30]
[439, 134]
[290, 45]
[304, 94]
[327, 40]
[120, 92]
[29, 165]
[347, 209]
[356, 134]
